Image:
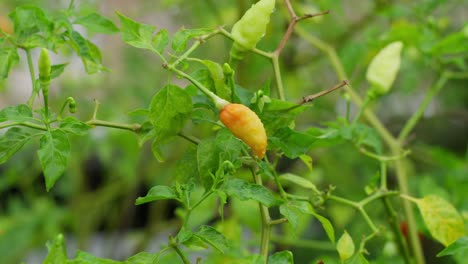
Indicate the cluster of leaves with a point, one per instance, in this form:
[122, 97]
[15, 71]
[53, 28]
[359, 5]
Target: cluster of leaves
[216, 168]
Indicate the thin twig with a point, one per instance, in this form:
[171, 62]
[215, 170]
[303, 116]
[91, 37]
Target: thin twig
[312, 97]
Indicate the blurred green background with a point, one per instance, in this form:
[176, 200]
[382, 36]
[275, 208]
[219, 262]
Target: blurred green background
[93, 203]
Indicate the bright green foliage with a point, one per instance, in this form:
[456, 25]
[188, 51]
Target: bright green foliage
[18, 113]
[97, 23]
[182, 37]
[8, 58]
[157, 193]
[212, 200]
[249, 191]
[136, 34]
[443, 221]
[459, 246]
[57, 251]
[283, 257]
[12, 141]
[170, 108]
[53, 153]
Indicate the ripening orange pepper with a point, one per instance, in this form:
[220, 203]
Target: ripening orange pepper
[6, 25]
[245, 125]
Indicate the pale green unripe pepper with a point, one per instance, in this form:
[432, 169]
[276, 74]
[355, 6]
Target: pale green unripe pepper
[383, 69]
[44, 66]
[248, 31]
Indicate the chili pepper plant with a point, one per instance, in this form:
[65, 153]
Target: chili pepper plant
[235, 199]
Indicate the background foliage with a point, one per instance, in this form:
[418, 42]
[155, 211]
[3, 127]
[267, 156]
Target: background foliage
[92, 204]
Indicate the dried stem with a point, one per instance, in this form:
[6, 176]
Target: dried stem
[312, 97]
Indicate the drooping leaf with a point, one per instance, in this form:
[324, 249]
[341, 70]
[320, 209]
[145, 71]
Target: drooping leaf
[97, 23]
[136, 34]
[443, 221]
[181, 37]
[17, 113]
[12, 141]
[298, 180]
[459, 246]
[212, 237]
[327, 226]
[57, 251]
[159, 192]
[250, 191]
[345, 246]
[170, 108]
[283, 257]
[8, 58]
[89, 53]
[53, 153]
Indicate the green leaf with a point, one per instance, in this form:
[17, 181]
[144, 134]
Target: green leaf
[86, 258]
[212, 237]
[250, 191]
[57, 70]
[89, 53]
[293, 211]
[212, 152]
[207, 161]
[57, 251]
[142, 258]
[12, 141]
[452, 44]
[279, 114]
[29, 20]
[136, 34]
[170, 108]
[459, 246]
[283, 257]
[53, 153]
[17, 113]
[160, 41]
[345, 246]
[74, 126]
[384, 68]
[291, 142]
[97, 23]
[358, 258]
[8, 58]
[327, 226]
[443, 221]
[181, 37]
[159, 192]
[217, 75]
[362, 135]
[298, 180]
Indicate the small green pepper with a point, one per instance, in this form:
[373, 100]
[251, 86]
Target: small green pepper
[44, 66]
[248, 31]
